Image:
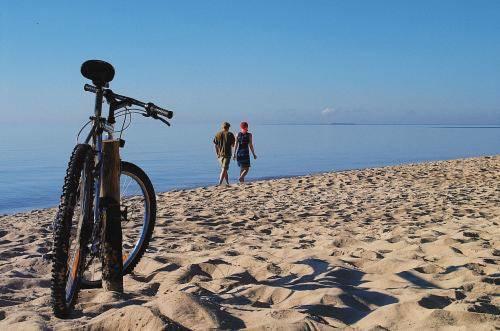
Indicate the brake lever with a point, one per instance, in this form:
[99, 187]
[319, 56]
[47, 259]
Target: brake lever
[156, 117]
[163, 120]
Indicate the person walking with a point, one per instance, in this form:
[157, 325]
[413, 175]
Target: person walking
[224, 141]
[244, 144]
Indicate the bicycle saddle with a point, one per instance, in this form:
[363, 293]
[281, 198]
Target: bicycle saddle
[99, 72]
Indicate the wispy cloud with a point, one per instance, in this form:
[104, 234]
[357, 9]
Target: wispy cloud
[328, 110]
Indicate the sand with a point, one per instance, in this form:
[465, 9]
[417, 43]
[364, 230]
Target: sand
[398, 248]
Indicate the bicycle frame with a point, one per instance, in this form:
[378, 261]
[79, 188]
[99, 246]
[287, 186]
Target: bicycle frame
[100, 125]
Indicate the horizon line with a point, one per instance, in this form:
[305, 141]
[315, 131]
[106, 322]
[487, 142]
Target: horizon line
[495, 125]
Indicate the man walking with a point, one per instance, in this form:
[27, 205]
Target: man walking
[224, 142]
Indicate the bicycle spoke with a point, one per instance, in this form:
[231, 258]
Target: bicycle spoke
[129, 182]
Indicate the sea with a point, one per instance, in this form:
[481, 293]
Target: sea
[34, 159]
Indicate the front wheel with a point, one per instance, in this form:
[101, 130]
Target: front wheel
[138, 217]
[72, 227]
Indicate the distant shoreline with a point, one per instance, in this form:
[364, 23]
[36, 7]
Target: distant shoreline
[437, 125]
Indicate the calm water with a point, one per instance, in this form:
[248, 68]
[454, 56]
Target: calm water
[34, 159]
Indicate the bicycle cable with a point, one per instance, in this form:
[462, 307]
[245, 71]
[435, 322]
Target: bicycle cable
[126, 113]
[79, 132]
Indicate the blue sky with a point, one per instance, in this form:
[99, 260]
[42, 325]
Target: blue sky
[262, 61]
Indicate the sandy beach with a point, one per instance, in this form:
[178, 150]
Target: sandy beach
[397, 248]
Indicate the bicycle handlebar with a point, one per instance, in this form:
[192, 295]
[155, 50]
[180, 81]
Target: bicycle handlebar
[90, 88]
[163, 112]
[152, 109]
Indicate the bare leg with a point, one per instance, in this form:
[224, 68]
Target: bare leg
[223, 175]
[243, 173]
[227, 177]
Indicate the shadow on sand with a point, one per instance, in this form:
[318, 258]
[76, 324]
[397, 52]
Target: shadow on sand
[352, 304]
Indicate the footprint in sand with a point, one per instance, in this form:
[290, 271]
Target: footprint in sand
[430, 269]
[426, 240]
[456, 250]
[492, 279]
[265, 231]
[394, 239]
[484, 308]
[215, 239]
[470, 234]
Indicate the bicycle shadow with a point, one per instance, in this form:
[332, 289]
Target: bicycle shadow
[352, 304]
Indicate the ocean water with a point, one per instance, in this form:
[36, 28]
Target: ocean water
[34, 158]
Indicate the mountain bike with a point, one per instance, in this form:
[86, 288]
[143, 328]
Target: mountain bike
[78, 230]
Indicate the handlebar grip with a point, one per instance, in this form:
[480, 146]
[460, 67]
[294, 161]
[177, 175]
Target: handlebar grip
[167, 113]
[90, 88]
[163, 112]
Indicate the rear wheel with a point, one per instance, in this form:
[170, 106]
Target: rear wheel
[72, 227]
[138, 217]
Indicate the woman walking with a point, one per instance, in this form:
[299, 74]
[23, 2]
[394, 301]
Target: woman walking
[242, 153]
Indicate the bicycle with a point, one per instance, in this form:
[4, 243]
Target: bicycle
[76, 252]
